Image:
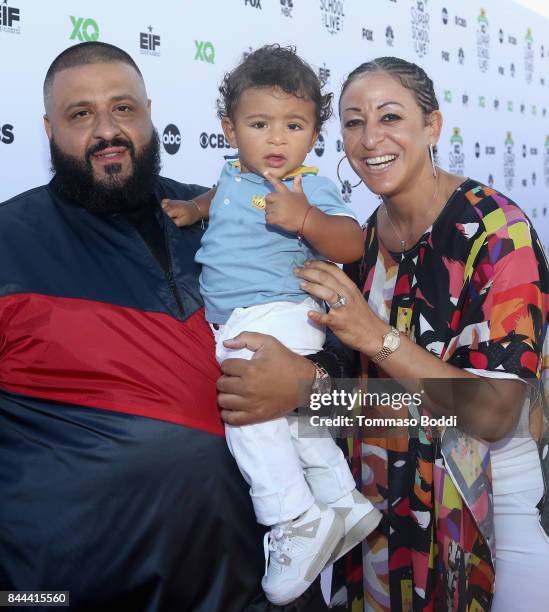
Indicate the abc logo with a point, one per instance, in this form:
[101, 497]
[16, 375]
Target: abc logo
[171, 139]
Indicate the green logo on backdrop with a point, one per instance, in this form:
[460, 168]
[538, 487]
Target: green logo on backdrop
[84, 29]
[205, 51]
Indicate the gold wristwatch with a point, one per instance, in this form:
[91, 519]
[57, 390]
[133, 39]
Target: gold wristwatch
[391, 341]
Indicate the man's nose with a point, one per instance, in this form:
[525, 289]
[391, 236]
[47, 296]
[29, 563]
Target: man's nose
[106, 127]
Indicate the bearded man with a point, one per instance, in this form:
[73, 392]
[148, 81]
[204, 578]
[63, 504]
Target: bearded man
[116, 482]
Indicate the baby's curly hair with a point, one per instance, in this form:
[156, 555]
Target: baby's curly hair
[274, 66]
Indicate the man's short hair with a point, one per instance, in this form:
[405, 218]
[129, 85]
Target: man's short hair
[86, 53]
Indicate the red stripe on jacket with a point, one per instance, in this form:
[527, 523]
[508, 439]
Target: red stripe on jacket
[105, 356]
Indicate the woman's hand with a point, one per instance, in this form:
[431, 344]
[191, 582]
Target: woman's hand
[354, 323]
[270, 385]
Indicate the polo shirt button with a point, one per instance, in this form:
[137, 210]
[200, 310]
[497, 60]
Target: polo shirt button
[226, 201]
[238, 179]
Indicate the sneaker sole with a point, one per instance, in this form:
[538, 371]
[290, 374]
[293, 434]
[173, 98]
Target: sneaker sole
[356, 534]
[335, 534]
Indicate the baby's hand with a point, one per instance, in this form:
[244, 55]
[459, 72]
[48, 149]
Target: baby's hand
[286, 208]
[180, 212]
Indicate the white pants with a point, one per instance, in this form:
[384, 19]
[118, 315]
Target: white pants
[286, 473]
[522, 548]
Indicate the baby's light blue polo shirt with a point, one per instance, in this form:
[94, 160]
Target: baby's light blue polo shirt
[245, 261]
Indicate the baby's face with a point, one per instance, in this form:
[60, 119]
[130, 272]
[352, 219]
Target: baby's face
[272, 130]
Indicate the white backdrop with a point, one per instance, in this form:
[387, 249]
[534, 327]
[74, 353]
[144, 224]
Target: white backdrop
[489, 61]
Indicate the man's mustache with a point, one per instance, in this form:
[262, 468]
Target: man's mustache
[106, 144]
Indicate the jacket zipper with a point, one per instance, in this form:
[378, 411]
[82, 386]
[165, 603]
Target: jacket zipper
[169, 274]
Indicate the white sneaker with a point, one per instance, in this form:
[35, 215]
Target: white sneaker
[360, 519]
[297, 551]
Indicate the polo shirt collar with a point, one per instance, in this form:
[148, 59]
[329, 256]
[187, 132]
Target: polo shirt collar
[233, 167]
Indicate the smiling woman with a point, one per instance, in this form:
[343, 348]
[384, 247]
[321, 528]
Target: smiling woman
[453, 301]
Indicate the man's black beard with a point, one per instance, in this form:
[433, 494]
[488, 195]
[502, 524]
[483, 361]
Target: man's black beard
[74, 178]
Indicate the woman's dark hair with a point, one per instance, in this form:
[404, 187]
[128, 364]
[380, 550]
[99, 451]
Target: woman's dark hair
[274, 66]
[410, 75]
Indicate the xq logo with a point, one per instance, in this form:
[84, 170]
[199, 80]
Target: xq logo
[205, 51]
[84, 29]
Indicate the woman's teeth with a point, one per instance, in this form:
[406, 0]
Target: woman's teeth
[382, 161]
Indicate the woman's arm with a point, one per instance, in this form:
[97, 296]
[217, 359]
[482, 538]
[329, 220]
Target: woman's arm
[488, 409]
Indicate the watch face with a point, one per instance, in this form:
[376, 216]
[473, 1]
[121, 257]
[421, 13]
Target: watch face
[392, 342]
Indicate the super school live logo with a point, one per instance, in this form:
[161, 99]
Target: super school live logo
[333, 15]
[420, 27]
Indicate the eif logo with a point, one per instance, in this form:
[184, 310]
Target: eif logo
[149, 42]
[84, 29]
[483, 41]
[6, 133]
[205, 51]
[9, 15]
[324, 74]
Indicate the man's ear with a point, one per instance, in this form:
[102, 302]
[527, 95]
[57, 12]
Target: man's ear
[149, 106]
[229, 131]
[47, 127]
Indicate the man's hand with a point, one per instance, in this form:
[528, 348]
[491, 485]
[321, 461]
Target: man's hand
[270, 385]
[180, 212]
[286, 208]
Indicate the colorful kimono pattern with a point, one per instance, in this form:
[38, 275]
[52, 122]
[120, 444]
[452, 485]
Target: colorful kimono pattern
[473, 291]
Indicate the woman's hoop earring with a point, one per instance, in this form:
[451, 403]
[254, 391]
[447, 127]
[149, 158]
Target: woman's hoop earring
[432, 158]
[339, 178]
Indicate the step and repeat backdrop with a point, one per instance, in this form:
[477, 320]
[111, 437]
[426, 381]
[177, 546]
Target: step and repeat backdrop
[489, 61]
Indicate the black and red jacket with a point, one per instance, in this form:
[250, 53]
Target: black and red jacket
[115, 480]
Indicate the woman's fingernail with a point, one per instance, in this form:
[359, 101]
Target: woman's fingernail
[303, 284]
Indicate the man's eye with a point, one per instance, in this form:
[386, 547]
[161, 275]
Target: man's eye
[124, 108]
[259, 124]
[79, 114]
[294, 126]
[389, 117]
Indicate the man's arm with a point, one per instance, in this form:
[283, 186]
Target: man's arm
[275, 381]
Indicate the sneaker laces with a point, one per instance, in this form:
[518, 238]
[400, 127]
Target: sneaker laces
[275, 542]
